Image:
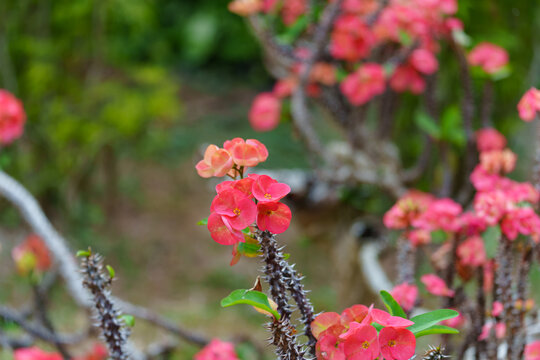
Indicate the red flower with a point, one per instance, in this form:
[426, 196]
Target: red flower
[441, 214]
[491, 58]
[248, 152]
[217, 350]
[529, 104]
[424, 61]
[488, 139]
[361, 342]
[31, 255]
[532, 351]
[265, 112]
[238, 209]
[436, 286]
[351, 39]
[266, 189]
[397, 343]
[406, 78]
[364, 84]
[222, 232]
[35, 353]
[472, 252]
[406, 295]
[216, 162]
[273, 216]
[12, 118]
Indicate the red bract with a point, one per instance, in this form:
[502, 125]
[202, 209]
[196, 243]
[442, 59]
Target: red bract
[217, 350]
[12, 118]
[532, 351]
[406, 295]
[31, 255]
[492, 205]
[441, 214]
[265, 112]
[238, 209]
[266, 189]
[385, 319]
[436, 286]
[273, 216]
[361, 342]
[397, 343]
[471, 224]
[472, 252]
[351, 39]
[328, 348]
[217, 162]
[242, 185]
[406, 78]
[35, 353]
[521, 220]
[222, 232]
[489, 139]
[247, 153]
[497, 161]
[491, 58]
[529, 104]
[424, 61]
[364, 84]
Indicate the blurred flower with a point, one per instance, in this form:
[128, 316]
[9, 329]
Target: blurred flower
[265, 112]
[407, 209]
[521, 220]
[500, 331]
[441, 214]
[406, 295]
[12, 118]
[285, 87]
[424, 61]
[497, 308]
[532, 351]
[35, 353]
[351, 38]
[419, 237]
[292, 10]
[492, 205]
[491, 58]
[364, 84]
[488, 139]
[497, 161]
[436, 286]
[217, 350]
[245, 7]
[471, 252]
[31, 255]
[406, 78]
[529, 104]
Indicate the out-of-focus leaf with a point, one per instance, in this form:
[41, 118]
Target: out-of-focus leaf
[427, 124]
[491, 237]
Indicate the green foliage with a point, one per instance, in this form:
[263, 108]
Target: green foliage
[492, 237]
[392, 305]
[426, 321]
[250, 297]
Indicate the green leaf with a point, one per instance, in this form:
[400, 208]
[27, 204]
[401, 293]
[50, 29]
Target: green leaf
[427, 124]
[452, 128]
[111, 271]
[503, 73]
[438, 236]
[404, 38]
[129, 320]
[295, 30]
[491, 237]
[436, 329]
[83, 253]
[392, 305]
[249, 297]
[249, 249]
[427, 320]
[203, 222]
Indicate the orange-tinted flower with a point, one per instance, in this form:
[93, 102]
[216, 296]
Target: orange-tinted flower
[529, 104]
[31, 255]
[245, 7]
[217, 162]
[246, 153]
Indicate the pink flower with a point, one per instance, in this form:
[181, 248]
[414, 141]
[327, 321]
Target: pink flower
[488, 139]
[273, 216]
[355, 313]
[217, 350]
[360, 7]
[436, 286]
[441, 214]
[329, 348]
[497, 308]
[222, 232]
[217, 162]
[406, 78]
[471, 252]
[456, 322]
[361, 342]
[99, 352]
[500, 331]
[292, 10]
[424, 61]
[490, 57]
[266, 189]
[492, 205]
[238, 209]
[246, 153]
[284, 87]
[521, 220]
[497, 161]
[245, 7]
[35, 353]
[31, 255]
[385, 319]
[532, 351]
[471, 224]
[484, 181]
[419, 237]
[397, 343]
[519, 192]
[323, 322]
[12, 118]
[406, 295]
[407, 210]
[364, 84]
[265, 112]
[351, 39]
[243, 185]
[529, 104]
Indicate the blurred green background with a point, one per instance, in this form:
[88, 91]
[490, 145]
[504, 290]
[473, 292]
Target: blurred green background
[120, 96]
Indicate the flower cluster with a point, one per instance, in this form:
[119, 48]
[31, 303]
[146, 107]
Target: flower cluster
[354, 335]
[12, 118]
[245, 201]
[31, 255]
[217, 350]
[529, 105]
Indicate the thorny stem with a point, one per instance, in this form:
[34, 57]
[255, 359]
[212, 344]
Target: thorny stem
[112, 327]
[275, 266]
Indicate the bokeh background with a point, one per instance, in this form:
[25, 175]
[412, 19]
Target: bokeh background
[122, 95]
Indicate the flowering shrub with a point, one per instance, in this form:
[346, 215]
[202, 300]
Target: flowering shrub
[12, 118]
